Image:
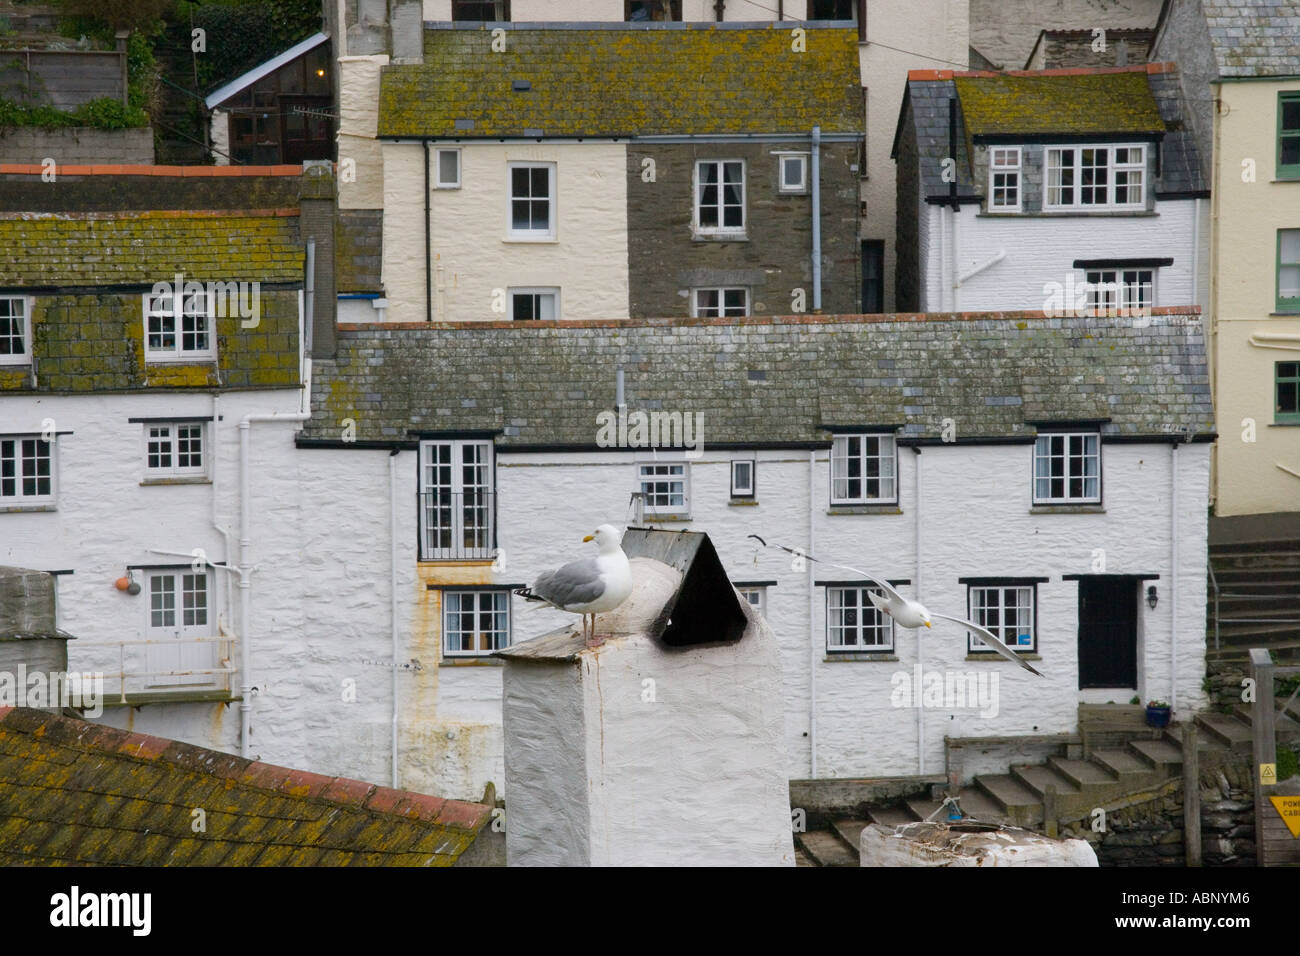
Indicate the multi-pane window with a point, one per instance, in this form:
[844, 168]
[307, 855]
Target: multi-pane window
[457, 510]
[26, 470]
[719, 303]
[863, 469]
[1288, 135]
[1095, 177]
[756, 595]
[1067, 468]
[178, 602]
[492, 11]
[742, 478]
[793, 170]
[1113, 289]
[663, 487]
[1006, 611]
[475, 622]
[1288, 270]
[1004, 178]
[183, 337]
[15, 338]
[448, 169]
[174, 448]
[532, 200]
[541, 303]
[1287, 384]
[720, 196]
[640, 11]
[854, 624]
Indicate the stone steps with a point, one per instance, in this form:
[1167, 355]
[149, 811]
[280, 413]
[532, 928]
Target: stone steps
[826, 848]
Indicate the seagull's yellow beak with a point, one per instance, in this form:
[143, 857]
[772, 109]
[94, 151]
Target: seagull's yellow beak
[590, 537]
[927, 624]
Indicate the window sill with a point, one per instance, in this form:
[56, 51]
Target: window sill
[665, 518]
[742, 502]
[471, 662]
[535, 240]
[1285, 315]
[720, 237]
[1295, 424]
[13, 509]
[458, 562]
[1076, 213]
[1065, 509]
[861, 657]
[881, 509]
[178, 480]
[995, 658]
[12, 363]
[180, 360]
[1286, 179]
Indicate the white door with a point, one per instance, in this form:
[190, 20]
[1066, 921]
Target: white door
[180, 609]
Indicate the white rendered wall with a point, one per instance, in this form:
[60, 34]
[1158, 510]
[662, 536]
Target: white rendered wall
[1042, 249]
[361, 162]
[472, 254]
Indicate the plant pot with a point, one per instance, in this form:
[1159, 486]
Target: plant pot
[1157, 716]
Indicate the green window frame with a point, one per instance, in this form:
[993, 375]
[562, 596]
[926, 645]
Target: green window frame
[1288, 270]
[1286, 393]
[1288, 135]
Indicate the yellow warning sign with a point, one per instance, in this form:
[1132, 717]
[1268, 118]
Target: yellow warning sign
[1268, 773]
[1288, 808]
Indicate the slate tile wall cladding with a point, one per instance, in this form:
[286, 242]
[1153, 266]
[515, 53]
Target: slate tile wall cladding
[907, 262]
[544, 383]
[358, 237]
[666, 260]
[88, 343]
[103, 193]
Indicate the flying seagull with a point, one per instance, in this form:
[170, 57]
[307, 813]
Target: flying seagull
[912, 614]
[589, 586]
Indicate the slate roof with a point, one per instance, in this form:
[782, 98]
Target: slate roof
[358, 250]
[767, 379]
[1138, 101]
[82, 793]
[695, 79]
[141, 248]
[1254, 37]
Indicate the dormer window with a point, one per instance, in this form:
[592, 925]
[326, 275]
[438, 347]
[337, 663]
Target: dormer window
[1095, 178]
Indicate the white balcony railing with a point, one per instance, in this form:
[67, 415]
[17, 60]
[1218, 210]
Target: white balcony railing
[159, 668]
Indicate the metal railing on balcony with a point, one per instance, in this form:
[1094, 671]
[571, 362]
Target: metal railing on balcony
[457, 527]
[137, 669]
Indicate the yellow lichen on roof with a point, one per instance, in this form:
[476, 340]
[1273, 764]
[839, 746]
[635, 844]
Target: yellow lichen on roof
[1081, 103]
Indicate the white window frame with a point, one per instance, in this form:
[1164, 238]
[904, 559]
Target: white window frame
[181, 577]
[540, 290]
[24, 331]
[870, 620]
[531, 235]
[756, 595]
[982, 598]
[439, 182]
[738, 488]
[1117, 292]
[11, 469]
[173, 439]
[784, 187]
[670, 473]
[886, 445]
[1048, 439]
[698, 195]
[1114, 169]
[177, 353]
[720, 311]
[497, 638]
[1011, 168]
[473, 522]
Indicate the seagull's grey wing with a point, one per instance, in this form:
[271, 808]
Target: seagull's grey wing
[988, 638]
[577, 582]
[880, 584]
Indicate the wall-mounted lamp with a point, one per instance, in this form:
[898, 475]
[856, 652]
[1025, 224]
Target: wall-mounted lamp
[1152, 598]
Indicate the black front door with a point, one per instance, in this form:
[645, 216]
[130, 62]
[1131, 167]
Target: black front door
[1108, 631]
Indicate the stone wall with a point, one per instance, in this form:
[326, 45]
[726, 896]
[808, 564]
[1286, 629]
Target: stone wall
[78, 146]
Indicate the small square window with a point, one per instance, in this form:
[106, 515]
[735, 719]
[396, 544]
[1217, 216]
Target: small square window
[1067, 468]
[448, 169]
[1287, 384]
[742, 478]
[532, 201]
[1110, 290]
[174, 449]
[794, 172]
[854, 624]
[756, 595]
[537, 303]
[719, 303]
[475, 623]
[15, 330]
[189, 336]
[864, 469]
[26, 470]
[1006, 611]
[663, 488]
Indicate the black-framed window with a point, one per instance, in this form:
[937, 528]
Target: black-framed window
[652, 11]
[854, 624]
[1007, 609]
[832, 10]
[873, 276]
[491, 11]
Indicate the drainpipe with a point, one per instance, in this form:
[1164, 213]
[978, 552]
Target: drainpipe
[719, 8]
[225, 532]
[942, 304]
[1196, 252]
[916, 594]
[1173, 575]
[812, 627]
[428, 243]
[392, 590]
[817, 218]
[952, 196]
[956, 260]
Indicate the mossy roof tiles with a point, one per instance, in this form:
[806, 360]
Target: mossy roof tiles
[1080, 103]
[82, 793]
[141, 248]
[628, 82]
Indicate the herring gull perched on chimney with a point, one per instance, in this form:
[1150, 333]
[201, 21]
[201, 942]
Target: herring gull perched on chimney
[589, 586]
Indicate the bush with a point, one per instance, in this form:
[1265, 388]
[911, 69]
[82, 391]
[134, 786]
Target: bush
[100, 114]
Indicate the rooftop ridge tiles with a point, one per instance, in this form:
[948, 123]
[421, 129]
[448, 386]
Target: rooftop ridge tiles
[935, 75]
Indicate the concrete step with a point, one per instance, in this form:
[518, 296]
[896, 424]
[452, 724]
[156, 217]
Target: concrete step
[922, 807]
[1121, 762]
[826, 848]
[1283, 724]
[1038, 778]
[1084, 774]
[850, 831]
[1229, 731]
[1160, 754]
[890, 816]
[1018, 802]
[803, 859]
[979, 805]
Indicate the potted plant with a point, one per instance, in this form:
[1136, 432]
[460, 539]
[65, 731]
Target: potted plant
[1158, 713]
